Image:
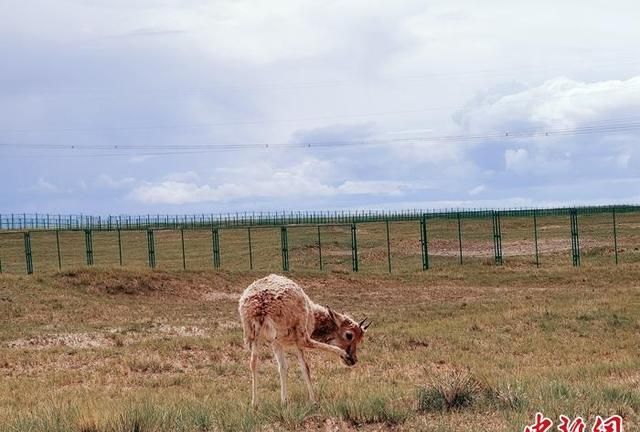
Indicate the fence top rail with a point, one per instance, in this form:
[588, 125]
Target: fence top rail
[35, 221]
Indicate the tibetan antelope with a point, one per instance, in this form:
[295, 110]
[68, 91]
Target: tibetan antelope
[276, 311]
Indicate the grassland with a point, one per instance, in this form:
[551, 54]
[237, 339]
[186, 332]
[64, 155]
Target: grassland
[456, 348]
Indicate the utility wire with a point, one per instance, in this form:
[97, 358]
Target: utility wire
[596, 125]
[166, 150]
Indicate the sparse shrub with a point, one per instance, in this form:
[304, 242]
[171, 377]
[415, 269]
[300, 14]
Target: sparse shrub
[621, 396]
[450, 390]
[151, 364]
[236, 418]
[202, 420]
[374, 409]
[87, 423]
[430, 399]
[133, 420]
[560, 391]
[506, 396]
[617, 321]
[291, 416]
[417, 343]
[117, 339]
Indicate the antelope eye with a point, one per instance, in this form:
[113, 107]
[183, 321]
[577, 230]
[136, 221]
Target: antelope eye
[348, 335]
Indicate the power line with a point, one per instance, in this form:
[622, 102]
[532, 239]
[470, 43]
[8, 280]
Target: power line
[597, 127]
[602, 125]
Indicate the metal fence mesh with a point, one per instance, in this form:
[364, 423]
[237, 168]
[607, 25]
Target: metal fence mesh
[336, 247]
[410, 243]
[305, 252]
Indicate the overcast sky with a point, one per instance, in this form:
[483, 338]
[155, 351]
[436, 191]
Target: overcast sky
[158, 106]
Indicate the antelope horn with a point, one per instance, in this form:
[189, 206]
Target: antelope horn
[367, 326]
[362, 322]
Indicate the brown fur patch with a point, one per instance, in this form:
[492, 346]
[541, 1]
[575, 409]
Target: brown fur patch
[325, 327]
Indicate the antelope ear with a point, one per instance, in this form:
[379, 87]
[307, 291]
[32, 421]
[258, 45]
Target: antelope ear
[333, 316]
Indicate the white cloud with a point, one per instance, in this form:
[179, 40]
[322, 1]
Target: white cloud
[259, 180]
[281, 186]
[477, 190]
[600, 110]
[140, 159]
[109, 182]
[182, 177]
[516, 160]
[309, 178]
[556, 103]
[372, 187]
[43, 185]
[172, 192]
[434, 152]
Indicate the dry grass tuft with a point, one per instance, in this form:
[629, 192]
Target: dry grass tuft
[448, 390]
[506, 396]
[369, 410]
[151, 364]
[87, 423]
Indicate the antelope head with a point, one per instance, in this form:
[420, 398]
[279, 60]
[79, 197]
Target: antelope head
[346, 334]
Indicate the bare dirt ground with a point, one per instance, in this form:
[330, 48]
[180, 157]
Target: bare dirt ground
[484, 249]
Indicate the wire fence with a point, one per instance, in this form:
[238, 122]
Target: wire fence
[399, 242]
[35, 221]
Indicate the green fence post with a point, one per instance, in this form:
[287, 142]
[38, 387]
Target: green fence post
[88, 242]
[250, 251]
[497, 238]
[424, 243]
[615, 234]
[119, 247]
[215, 239]
[319, 248]
[151, 248]
[535, 237]
[354, 247]
[388, 245]
[27, 252]
[184, 259]
[58, 250]
[285, 248]
[460, 236]
[575, 239]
